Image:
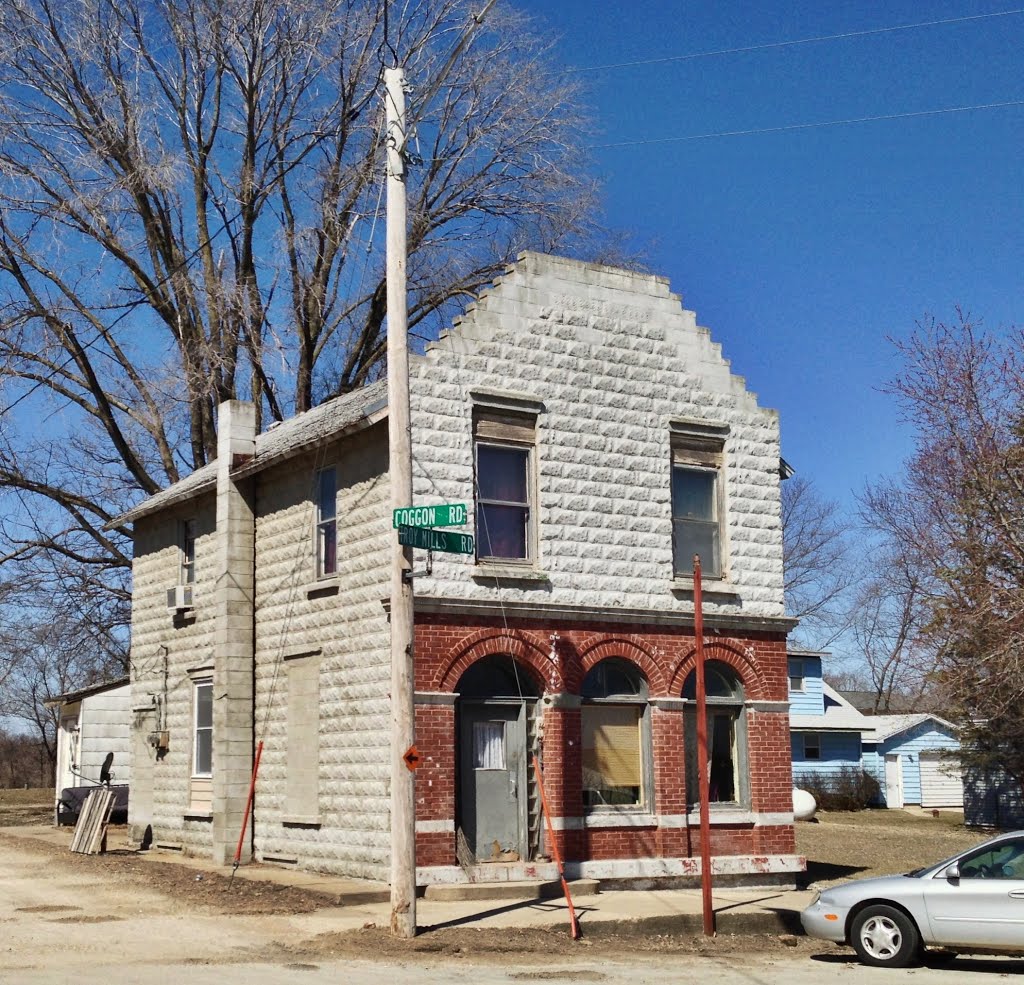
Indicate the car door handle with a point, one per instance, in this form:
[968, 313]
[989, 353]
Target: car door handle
[1017, 894]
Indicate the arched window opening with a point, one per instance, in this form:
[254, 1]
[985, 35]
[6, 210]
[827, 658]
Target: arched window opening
[498, 676]
[728, 774]
[616, 736]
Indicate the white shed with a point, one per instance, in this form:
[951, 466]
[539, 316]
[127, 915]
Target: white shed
[93, 722]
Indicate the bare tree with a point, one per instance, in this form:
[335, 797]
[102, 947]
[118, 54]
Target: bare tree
[51, 657]
[189, 196]
[817, 558]
[892, 610]
[957, 516]
[23, 762]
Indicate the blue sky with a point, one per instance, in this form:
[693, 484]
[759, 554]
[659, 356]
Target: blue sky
[803, 250]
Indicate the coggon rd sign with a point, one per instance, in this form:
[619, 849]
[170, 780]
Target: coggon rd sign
[446, 515]
[428, 539]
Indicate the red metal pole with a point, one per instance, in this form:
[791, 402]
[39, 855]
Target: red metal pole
[574, 926]
[703, 783]
[248, 805]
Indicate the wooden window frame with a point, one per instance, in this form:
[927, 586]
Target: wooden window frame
[640, 705]
[325, 524]
[197, 685]
[189, 535]
[795, 662]
[698, 447]
[735, 706]
[513, 430]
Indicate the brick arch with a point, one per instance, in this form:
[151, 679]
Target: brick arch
[525, 648]
[742, 661]
[631, 648]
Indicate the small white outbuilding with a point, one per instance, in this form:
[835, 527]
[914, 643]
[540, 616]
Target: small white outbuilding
[93, 723]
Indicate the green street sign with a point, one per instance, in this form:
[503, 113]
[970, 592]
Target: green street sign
[435, 540]
[447, 515]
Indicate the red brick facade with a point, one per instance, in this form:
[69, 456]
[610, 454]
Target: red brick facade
[446, 647]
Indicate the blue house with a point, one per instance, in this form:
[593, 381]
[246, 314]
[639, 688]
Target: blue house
[825, 730]
[913, 757]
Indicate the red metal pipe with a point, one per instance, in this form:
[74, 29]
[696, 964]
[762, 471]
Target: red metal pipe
[574, 926]
[248, 804]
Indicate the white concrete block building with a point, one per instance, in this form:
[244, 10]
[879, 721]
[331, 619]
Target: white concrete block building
[599, 440]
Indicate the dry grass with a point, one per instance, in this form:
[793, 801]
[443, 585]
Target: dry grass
[34, 795]
[841, 846]
[32, 806]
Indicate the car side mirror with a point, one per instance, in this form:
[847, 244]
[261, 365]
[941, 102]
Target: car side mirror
[953, 871]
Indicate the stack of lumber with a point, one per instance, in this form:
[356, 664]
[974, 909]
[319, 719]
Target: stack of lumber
[91, 828]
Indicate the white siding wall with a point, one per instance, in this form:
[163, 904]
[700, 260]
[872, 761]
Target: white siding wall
[105, 721]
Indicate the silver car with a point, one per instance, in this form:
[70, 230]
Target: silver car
[973, 901]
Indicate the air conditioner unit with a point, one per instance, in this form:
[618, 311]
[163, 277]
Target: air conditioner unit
[179, 597]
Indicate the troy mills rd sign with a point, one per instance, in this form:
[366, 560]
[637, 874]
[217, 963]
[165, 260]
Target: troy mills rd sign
[435, 540]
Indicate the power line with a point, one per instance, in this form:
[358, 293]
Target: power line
[798, 41]
[809, 126]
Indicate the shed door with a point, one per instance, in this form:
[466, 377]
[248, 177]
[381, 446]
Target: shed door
[942, 783]
[69, 755]
[893, 780]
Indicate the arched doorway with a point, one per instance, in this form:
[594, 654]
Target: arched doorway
[496, 706]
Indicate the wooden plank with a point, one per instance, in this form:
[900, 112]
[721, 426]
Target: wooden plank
[93, 821]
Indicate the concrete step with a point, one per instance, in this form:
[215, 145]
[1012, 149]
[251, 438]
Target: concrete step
[528, 890]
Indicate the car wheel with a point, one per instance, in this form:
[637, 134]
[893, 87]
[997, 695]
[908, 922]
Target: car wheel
[885, 937]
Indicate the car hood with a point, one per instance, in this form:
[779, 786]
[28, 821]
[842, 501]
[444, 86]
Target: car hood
[891, 887]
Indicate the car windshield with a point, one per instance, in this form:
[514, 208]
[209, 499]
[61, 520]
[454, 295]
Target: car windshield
[931, 870]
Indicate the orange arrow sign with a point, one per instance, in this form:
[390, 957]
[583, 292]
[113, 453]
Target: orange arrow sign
[412, 757]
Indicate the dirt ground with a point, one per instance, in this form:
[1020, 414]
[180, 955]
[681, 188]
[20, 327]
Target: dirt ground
[837, 846]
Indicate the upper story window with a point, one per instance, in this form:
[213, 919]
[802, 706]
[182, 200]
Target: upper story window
[187, 575]
[616, 744]
[504, 446]
[202, 720]
[697, 498]
[797, 680]
[326, 522]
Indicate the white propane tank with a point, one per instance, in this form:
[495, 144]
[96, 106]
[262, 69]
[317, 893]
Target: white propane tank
[804, 805]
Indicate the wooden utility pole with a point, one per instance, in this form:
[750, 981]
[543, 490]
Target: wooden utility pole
[403, 804]
[703, 784]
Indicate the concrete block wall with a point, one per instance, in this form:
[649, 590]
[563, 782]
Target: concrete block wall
[343, 620]
[168, 650]
[234, 602]
[613, 357]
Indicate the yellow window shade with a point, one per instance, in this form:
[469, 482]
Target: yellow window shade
[611, 744]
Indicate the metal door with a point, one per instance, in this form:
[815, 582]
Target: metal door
[492, 777]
